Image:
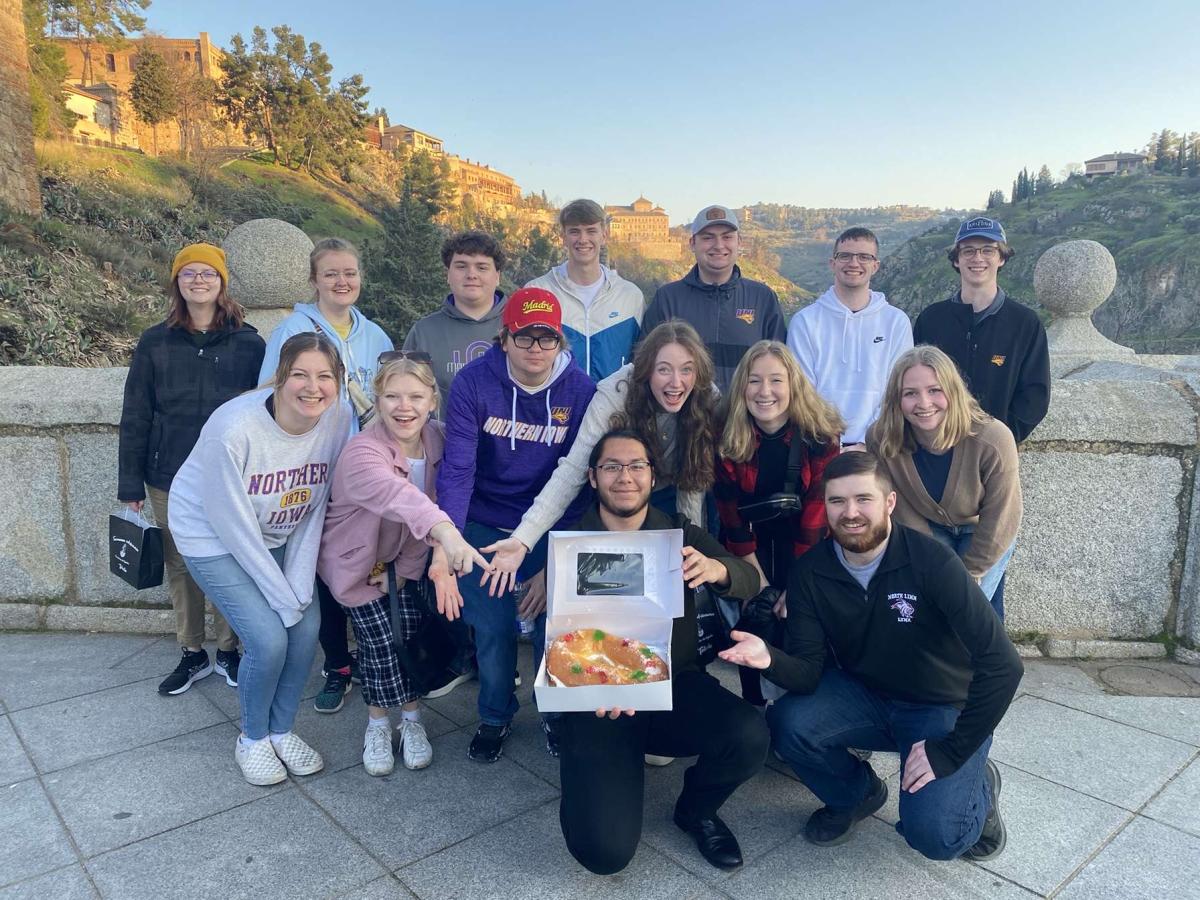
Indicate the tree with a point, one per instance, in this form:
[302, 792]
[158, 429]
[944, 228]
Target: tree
[995, 199]
[152, 91]
[1070, 170]
[92, 22]
[1045, 181]
[48, 70]
[1165, 149]
[283, 95]
[1015, 191]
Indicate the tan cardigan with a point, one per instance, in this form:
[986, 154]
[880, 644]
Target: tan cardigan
[983, 489]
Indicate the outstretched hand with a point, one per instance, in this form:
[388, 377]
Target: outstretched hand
[699, 569]
[445, 587]
[460, 555]
[509, 553]
[749, 650]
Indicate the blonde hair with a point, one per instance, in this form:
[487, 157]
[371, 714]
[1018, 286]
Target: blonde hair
[396, 367]
[891, 434]
[815, 419]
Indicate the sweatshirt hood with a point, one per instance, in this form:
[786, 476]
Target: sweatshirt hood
[852, 323]
[561, 281]
[693, 278]
[453, 312]
[497, 362]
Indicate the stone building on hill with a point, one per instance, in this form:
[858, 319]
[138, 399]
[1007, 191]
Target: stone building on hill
[1114, 164]
[391, 137]
[489, 187]
[644, 225]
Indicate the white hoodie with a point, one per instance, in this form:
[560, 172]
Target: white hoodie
[848, 356]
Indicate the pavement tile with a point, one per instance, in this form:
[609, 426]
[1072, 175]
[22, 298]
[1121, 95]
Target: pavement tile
[14, 764]
[63, 884]
[407, 815]
[1173, 717]
[280, 845]
[339, 736]
[875, 865]
[1087, 753]
[1179, 803]
[526, 746]
[38, 668]
[386, 888]
[1043, 678]
[1051, 829]
[114, 801]
[32, 840]
[72, 731]
[1146, 861]
[526, 857]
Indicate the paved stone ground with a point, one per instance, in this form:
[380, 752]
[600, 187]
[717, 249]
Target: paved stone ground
[109, 790]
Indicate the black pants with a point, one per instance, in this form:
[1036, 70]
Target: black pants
[602, 766]
[333, 629]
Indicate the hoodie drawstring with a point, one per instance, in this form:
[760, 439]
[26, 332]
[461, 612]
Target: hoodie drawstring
[512, 428]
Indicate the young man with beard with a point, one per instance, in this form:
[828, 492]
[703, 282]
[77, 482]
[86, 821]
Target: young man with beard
[847, 340]
[730, 312]
[601, 755]
[998, 344]
[921, 665]
[601, 310]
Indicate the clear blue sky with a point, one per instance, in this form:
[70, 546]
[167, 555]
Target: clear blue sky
[816, 104]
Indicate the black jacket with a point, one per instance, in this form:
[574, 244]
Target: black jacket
[1004, 359]
[743, 579]
[172, 388]
[729, 317]
[922, 632]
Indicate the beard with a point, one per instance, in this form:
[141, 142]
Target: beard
[864, 542]
[622, 513]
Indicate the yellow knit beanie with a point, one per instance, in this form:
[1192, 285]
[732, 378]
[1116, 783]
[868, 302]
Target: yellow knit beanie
[201, 253]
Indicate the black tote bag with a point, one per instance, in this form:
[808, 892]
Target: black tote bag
[135, 550]
[428, 653]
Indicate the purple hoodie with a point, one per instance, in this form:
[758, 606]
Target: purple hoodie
[503, 443]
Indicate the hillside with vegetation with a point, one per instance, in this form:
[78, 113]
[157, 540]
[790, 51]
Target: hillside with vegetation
[1150, 222]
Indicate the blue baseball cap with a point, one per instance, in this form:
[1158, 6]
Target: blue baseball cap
[981, 227]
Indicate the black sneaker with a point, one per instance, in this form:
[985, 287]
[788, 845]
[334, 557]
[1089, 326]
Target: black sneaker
[994, 835]
[488, 744]
[333, 696]
[227, 664]
[192, 667]
[830, 827]
[552, 745]
[448, 682]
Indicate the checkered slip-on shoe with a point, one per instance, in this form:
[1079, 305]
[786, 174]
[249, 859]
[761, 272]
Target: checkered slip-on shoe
[299, 758]
[258, 763]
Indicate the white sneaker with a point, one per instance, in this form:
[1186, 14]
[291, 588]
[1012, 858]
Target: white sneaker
[378, 758]
[418, 753]
[258, 762]
[299, 758]
[652, 760]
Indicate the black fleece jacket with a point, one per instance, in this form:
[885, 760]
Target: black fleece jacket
[922, 632]
[173, 386]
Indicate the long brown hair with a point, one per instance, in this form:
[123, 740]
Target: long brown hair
[816, 421]
[891, 434]
[695, 423]
[302, 343]
[229, 314]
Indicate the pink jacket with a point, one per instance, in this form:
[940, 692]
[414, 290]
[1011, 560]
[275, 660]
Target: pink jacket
[376, 514]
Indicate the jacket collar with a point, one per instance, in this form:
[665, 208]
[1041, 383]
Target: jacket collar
[896, 556]
[433, 442]
[693, 278]
[655, 519]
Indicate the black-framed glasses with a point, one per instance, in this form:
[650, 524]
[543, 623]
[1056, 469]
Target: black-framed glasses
[417, 356]
[637, 467]
[991, 251]
[545, 341]
[209, 276]
[846, 256]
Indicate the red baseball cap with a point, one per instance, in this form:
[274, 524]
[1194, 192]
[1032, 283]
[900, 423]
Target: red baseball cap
[532, 306]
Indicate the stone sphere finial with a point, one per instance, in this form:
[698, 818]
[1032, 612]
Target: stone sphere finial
[268, 264]
[1073, 278]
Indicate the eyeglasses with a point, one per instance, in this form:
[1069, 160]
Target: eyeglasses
[545, 341]
[417, 356]
[189, 275]
[637, 467]
[864, 258]
[988, 252]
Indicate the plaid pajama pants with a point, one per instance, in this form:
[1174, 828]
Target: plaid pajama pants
[384, 682]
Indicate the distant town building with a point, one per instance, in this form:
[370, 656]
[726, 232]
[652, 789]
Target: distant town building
[100, 120]
[644, 225]
[392, 137]
[1115, 164]
[489, 187]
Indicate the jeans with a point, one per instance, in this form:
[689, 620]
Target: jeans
[276, 660]
[494, 620]
[958, 538]
[813, 731]
[602, 766]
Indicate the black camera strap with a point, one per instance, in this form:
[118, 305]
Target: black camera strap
[794, 465]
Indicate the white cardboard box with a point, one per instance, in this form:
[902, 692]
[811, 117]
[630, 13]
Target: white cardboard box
[627, 583]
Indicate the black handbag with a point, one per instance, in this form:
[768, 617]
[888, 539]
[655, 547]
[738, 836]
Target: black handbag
[758, 617]
[712, 631]
[135, 550]
[784, 502]
[428, 653]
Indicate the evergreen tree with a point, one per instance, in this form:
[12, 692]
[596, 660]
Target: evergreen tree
[1016, 191]
[152, 91]
[1164, 150]
[104, 22]
[48, 70]
[1045, 181]
[995, 199]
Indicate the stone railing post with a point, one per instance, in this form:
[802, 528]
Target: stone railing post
[268, 270]
[1070, 281]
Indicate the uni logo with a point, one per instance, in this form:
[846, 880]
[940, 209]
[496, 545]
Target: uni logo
[291, 498]
[561, 414]
[715, 213]
[998, 360]
[746, 315]
[537, 306]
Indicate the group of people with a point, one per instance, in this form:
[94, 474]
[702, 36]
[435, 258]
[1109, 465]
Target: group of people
[850, 499]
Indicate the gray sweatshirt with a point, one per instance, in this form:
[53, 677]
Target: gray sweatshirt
[249, 487]
[453, 339]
